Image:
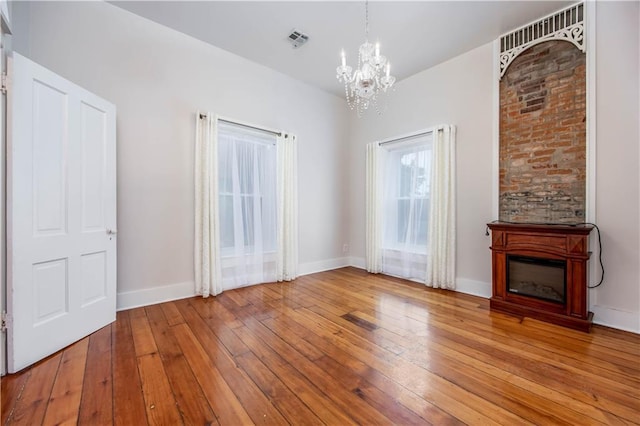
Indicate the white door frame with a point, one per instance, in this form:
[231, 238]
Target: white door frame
[4, 30]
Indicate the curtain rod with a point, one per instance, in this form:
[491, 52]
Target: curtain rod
[245, 125]
[415, 135]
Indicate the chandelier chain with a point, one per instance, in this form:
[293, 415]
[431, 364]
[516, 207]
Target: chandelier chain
[366, 20]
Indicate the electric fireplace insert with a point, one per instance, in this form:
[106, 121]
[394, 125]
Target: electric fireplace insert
[534, 277]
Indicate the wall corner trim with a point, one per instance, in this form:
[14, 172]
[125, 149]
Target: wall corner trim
[358, 262]
[322, 265]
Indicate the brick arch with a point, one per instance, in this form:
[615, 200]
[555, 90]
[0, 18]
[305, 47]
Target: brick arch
[543, 135]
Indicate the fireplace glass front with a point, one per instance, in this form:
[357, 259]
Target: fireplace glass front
[534, 277]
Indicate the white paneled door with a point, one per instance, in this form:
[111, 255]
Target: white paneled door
[61, 221]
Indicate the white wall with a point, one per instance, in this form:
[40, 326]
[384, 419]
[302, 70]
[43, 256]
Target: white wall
[617, 301]
[158, 78]
[456, 92]
[460, 92]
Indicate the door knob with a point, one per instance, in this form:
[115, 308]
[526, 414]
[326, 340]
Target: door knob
[112, 231]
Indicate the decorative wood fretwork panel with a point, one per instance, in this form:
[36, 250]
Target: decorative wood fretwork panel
[567, 25]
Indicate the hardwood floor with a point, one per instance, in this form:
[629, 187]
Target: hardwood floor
[339, 347]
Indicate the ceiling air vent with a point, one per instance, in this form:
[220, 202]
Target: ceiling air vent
[297, 38]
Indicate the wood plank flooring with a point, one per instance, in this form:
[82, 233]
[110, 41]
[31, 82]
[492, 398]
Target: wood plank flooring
[339, 347]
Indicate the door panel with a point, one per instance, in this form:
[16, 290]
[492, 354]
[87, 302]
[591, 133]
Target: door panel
[94, 277]
[61, 192]
[50, 138]
[94, 167]
[51, 288]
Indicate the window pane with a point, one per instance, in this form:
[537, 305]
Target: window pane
[403, 220]
[421, 222]
[226, 221]
[245, 157]
[414, 170]
[247, 190]
[248, 221]
[423, 172]
[406, 195]
[406, 172]
[225, 155]
[412, 221]
[268, 223]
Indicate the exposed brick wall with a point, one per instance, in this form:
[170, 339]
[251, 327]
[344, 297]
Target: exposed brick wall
[543, 135]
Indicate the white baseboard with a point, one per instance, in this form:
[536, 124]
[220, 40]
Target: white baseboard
[615, 318]
[151, 296]
[322, 265]
[463, 285]
[473, 287]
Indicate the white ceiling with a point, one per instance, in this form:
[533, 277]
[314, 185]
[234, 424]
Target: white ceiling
[414, 35]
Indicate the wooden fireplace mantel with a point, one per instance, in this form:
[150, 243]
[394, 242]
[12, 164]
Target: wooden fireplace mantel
[569, 243]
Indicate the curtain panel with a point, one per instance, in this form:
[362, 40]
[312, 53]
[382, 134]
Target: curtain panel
[373, 209]
[441, 266]
[208, 278]
[287, 196]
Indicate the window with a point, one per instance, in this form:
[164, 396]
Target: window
[410, 199]
[406, 195]
[247, 190]
[245, 205]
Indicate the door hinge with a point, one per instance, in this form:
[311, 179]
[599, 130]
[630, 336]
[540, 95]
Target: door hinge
[3, 322]
[3, 81]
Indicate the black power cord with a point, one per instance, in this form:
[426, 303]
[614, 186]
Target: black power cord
[599, 254]
[565, 224]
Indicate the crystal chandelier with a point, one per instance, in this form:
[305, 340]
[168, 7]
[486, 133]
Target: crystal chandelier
[372, 77]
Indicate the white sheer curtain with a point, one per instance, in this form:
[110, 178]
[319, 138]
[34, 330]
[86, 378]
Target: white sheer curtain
[207, 264]
[442, 224]
[287, 196]
[373, 210]
[406, 206]
[247, 175]
[246, 229]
